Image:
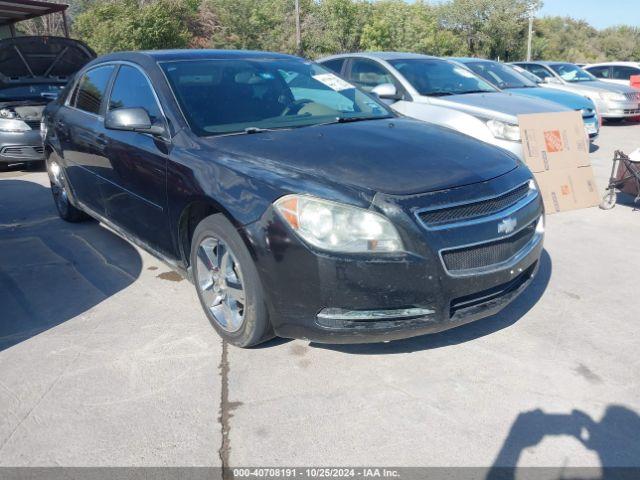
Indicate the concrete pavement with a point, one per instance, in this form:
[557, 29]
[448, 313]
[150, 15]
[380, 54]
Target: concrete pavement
[106, 359]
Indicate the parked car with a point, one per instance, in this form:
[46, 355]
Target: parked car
[508, 79]
[33, 70]
[614, 72]
[614, 102]
[298, 205]
[441, 92]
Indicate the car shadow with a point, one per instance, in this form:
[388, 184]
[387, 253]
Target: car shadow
[507, 317]
[51, 270]
[614, 439]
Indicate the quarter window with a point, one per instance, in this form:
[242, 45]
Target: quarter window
[91, 89]
[132, 90]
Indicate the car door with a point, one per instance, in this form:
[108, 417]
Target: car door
[79, 125]
[136, 199]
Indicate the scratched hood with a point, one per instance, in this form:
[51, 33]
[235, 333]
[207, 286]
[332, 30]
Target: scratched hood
[393, 156]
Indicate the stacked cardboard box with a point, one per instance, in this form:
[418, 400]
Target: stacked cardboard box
[556, 149]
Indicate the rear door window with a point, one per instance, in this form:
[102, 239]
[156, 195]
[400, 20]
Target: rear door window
[538, 70]
[368, 74]
[335, 64]
[625, 73]
[91, 89]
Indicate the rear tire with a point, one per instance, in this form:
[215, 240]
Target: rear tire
[227, 283]
[59, 190]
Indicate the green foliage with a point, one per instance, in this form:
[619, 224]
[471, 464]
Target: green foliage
[485, 28]
[132, 25]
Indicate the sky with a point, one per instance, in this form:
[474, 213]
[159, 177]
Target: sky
[599, 13]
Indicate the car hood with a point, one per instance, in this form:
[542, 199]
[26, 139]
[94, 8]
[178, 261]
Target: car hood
[501, 105]
[29, 59]
[394, 156]
[597, 86]
[571, 100]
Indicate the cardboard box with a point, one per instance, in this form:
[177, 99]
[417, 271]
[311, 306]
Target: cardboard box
[568, 189]
[554, 141]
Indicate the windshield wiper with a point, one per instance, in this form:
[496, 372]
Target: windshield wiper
[476, 91]
[439, 94]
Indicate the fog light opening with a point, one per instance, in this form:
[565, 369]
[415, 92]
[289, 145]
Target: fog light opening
[372, 315]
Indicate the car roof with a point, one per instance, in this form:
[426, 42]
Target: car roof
[383, 56]
[544, 62]
[614, 64]
[194, 54]
[471, 59]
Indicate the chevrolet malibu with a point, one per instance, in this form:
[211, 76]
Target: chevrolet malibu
[438, 91]
[298, 205]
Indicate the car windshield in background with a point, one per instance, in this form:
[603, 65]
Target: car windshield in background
[241, 95]
[501, 75]
[570, 73]
[440, 78]
[38, 91]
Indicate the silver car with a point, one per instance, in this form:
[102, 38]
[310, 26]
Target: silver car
[612, 101]
[441, 92]
[33, 70]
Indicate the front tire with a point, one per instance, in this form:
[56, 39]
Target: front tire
[227, 283]
[609, 200]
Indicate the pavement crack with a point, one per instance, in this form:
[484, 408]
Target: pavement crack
[225, 413]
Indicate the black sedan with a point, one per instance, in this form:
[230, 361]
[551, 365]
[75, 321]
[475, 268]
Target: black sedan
[298, 205]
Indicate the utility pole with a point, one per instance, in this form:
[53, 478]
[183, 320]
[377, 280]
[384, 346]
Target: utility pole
[530, 35]
[298, 34]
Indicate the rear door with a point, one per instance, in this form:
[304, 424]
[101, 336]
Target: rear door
[137, 189]
[79, 125]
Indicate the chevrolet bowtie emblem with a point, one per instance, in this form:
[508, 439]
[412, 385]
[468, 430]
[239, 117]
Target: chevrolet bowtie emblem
[507, 225]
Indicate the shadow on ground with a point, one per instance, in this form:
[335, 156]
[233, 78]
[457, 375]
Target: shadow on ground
[50, 270]
[614, 439]
[510, 315]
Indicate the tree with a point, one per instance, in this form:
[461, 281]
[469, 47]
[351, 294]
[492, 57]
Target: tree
[134, 25]
[491, 28]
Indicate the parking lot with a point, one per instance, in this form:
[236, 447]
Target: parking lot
[106, 359]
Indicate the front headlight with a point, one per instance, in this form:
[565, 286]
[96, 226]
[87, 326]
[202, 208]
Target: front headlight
[11, 125]
[337, 227]
[43, 129]
[503, 130]
[612, 96]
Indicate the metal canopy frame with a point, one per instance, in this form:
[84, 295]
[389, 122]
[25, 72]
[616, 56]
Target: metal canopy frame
[14, 11]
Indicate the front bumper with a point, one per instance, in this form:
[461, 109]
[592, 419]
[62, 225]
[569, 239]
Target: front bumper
[308, 292]
[626, 109]
[21, 147]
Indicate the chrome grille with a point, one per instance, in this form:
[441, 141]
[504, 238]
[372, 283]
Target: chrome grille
[633, 96]
[475, 209]
[490, 253]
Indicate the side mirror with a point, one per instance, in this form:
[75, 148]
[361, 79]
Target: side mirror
[132, 120]
[386, 91]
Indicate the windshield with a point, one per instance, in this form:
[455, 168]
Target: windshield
[39, 91]
[501, 75]
[439, 78]
[228, 96]
[527, 74]
[570, 73]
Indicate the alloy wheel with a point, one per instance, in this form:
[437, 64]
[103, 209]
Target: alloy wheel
[219, 281]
